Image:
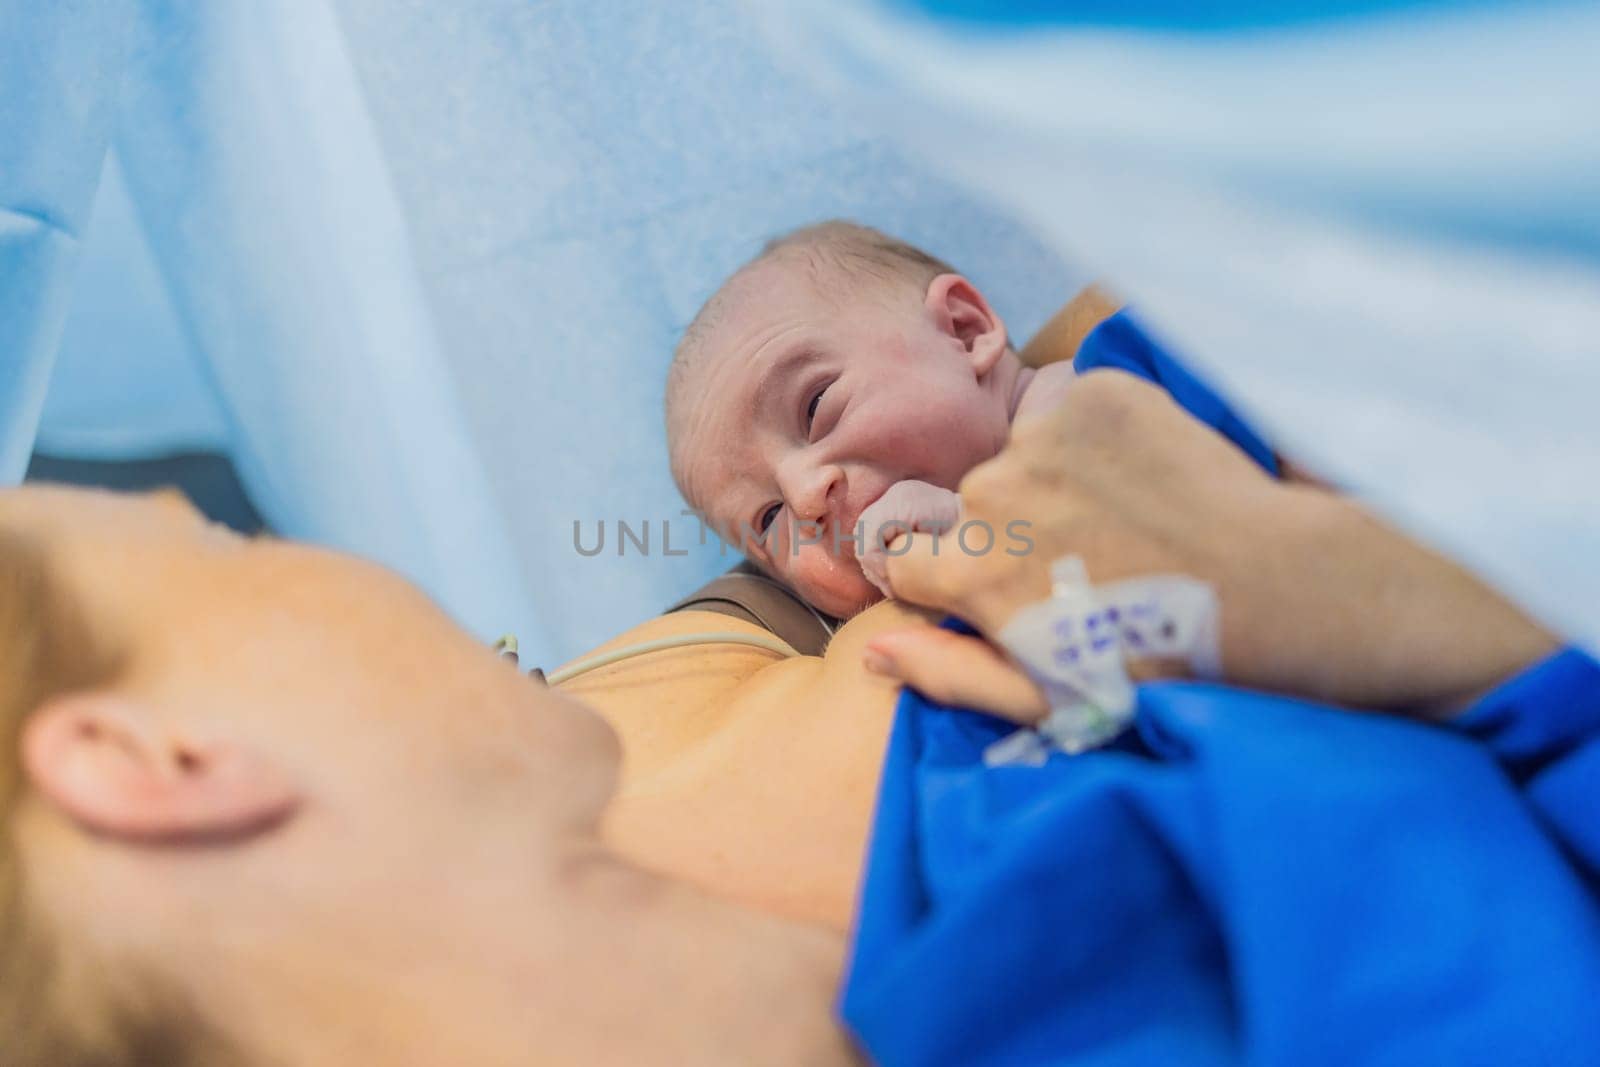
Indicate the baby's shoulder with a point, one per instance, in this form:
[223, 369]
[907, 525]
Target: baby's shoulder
[1046, 391]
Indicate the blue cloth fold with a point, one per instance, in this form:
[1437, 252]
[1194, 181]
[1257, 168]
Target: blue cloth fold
[1544, 726]
[1121, 343]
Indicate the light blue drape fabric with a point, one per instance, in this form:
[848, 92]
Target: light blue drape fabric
[1381, 235]
[578, 177]
[267, 204]
[60, 65]
[420, 268]
[127, 381]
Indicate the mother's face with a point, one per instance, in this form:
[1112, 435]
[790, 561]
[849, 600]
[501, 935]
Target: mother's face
[297, 704]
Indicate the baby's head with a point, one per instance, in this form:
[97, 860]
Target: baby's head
[836, 363]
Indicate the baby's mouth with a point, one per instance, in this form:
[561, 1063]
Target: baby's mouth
[853, 530]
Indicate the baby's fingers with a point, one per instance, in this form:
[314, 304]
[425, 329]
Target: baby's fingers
[958, 670]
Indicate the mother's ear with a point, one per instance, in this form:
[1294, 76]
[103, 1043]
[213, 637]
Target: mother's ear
[113, 768]
[960, 311]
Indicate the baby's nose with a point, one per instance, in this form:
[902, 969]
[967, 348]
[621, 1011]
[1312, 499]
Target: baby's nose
[813, 493]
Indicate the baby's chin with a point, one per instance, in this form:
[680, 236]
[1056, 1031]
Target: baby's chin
[839, 598]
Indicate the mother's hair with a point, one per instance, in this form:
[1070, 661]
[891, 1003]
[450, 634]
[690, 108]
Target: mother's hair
[59, 1007]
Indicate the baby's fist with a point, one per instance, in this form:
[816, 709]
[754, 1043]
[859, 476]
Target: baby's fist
[906, 507]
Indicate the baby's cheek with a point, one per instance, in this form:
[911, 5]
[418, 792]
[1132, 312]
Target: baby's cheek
[832, 584]
[938, 442]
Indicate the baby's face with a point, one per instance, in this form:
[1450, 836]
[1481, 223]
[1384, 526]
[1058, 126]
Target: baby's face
[805, 409]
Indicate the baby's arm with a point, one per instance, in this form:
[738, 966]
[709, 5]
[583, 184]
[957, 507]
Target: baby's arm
[1045, 392]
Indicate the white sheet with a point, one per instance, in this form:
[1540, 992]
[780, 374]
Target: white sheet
[1381, 235]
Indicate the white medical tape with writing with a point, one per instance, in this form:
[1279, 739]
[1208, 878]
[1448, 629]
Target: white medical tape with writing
[1076, 645]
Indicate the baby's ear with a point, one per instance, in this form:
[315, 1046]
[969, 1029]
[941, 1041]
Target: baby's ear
[961, 313]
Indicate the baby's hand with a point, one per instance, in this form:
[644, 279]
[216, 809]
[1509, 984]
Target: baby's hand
[907, 506]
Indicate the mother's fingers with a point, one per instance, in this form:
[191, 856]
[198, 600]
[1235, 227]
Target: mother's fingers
[914, 565]
[933, 572]
[1117, 475]
[982, 570]
[958, 670]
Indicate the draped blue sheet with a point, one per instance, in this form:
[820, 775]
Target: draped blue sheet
[1243, 879]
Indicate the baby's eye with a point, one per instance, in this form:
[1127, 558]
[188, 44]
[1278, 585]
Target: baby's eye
[768, 517]
[811, 408]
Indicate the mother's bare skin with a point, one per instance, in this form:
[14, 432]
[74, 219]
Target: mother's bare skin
[750, 776]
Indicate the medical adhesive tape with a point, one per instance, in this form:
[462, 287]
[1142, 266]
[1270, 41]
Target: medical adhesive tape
[1076, 645]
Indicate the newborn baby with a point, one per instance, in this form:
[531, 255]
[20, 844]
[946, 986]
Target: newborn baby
[833, 393]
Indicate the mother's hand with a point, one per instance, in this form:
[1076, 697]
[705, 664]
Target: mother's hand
[1317, 598]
